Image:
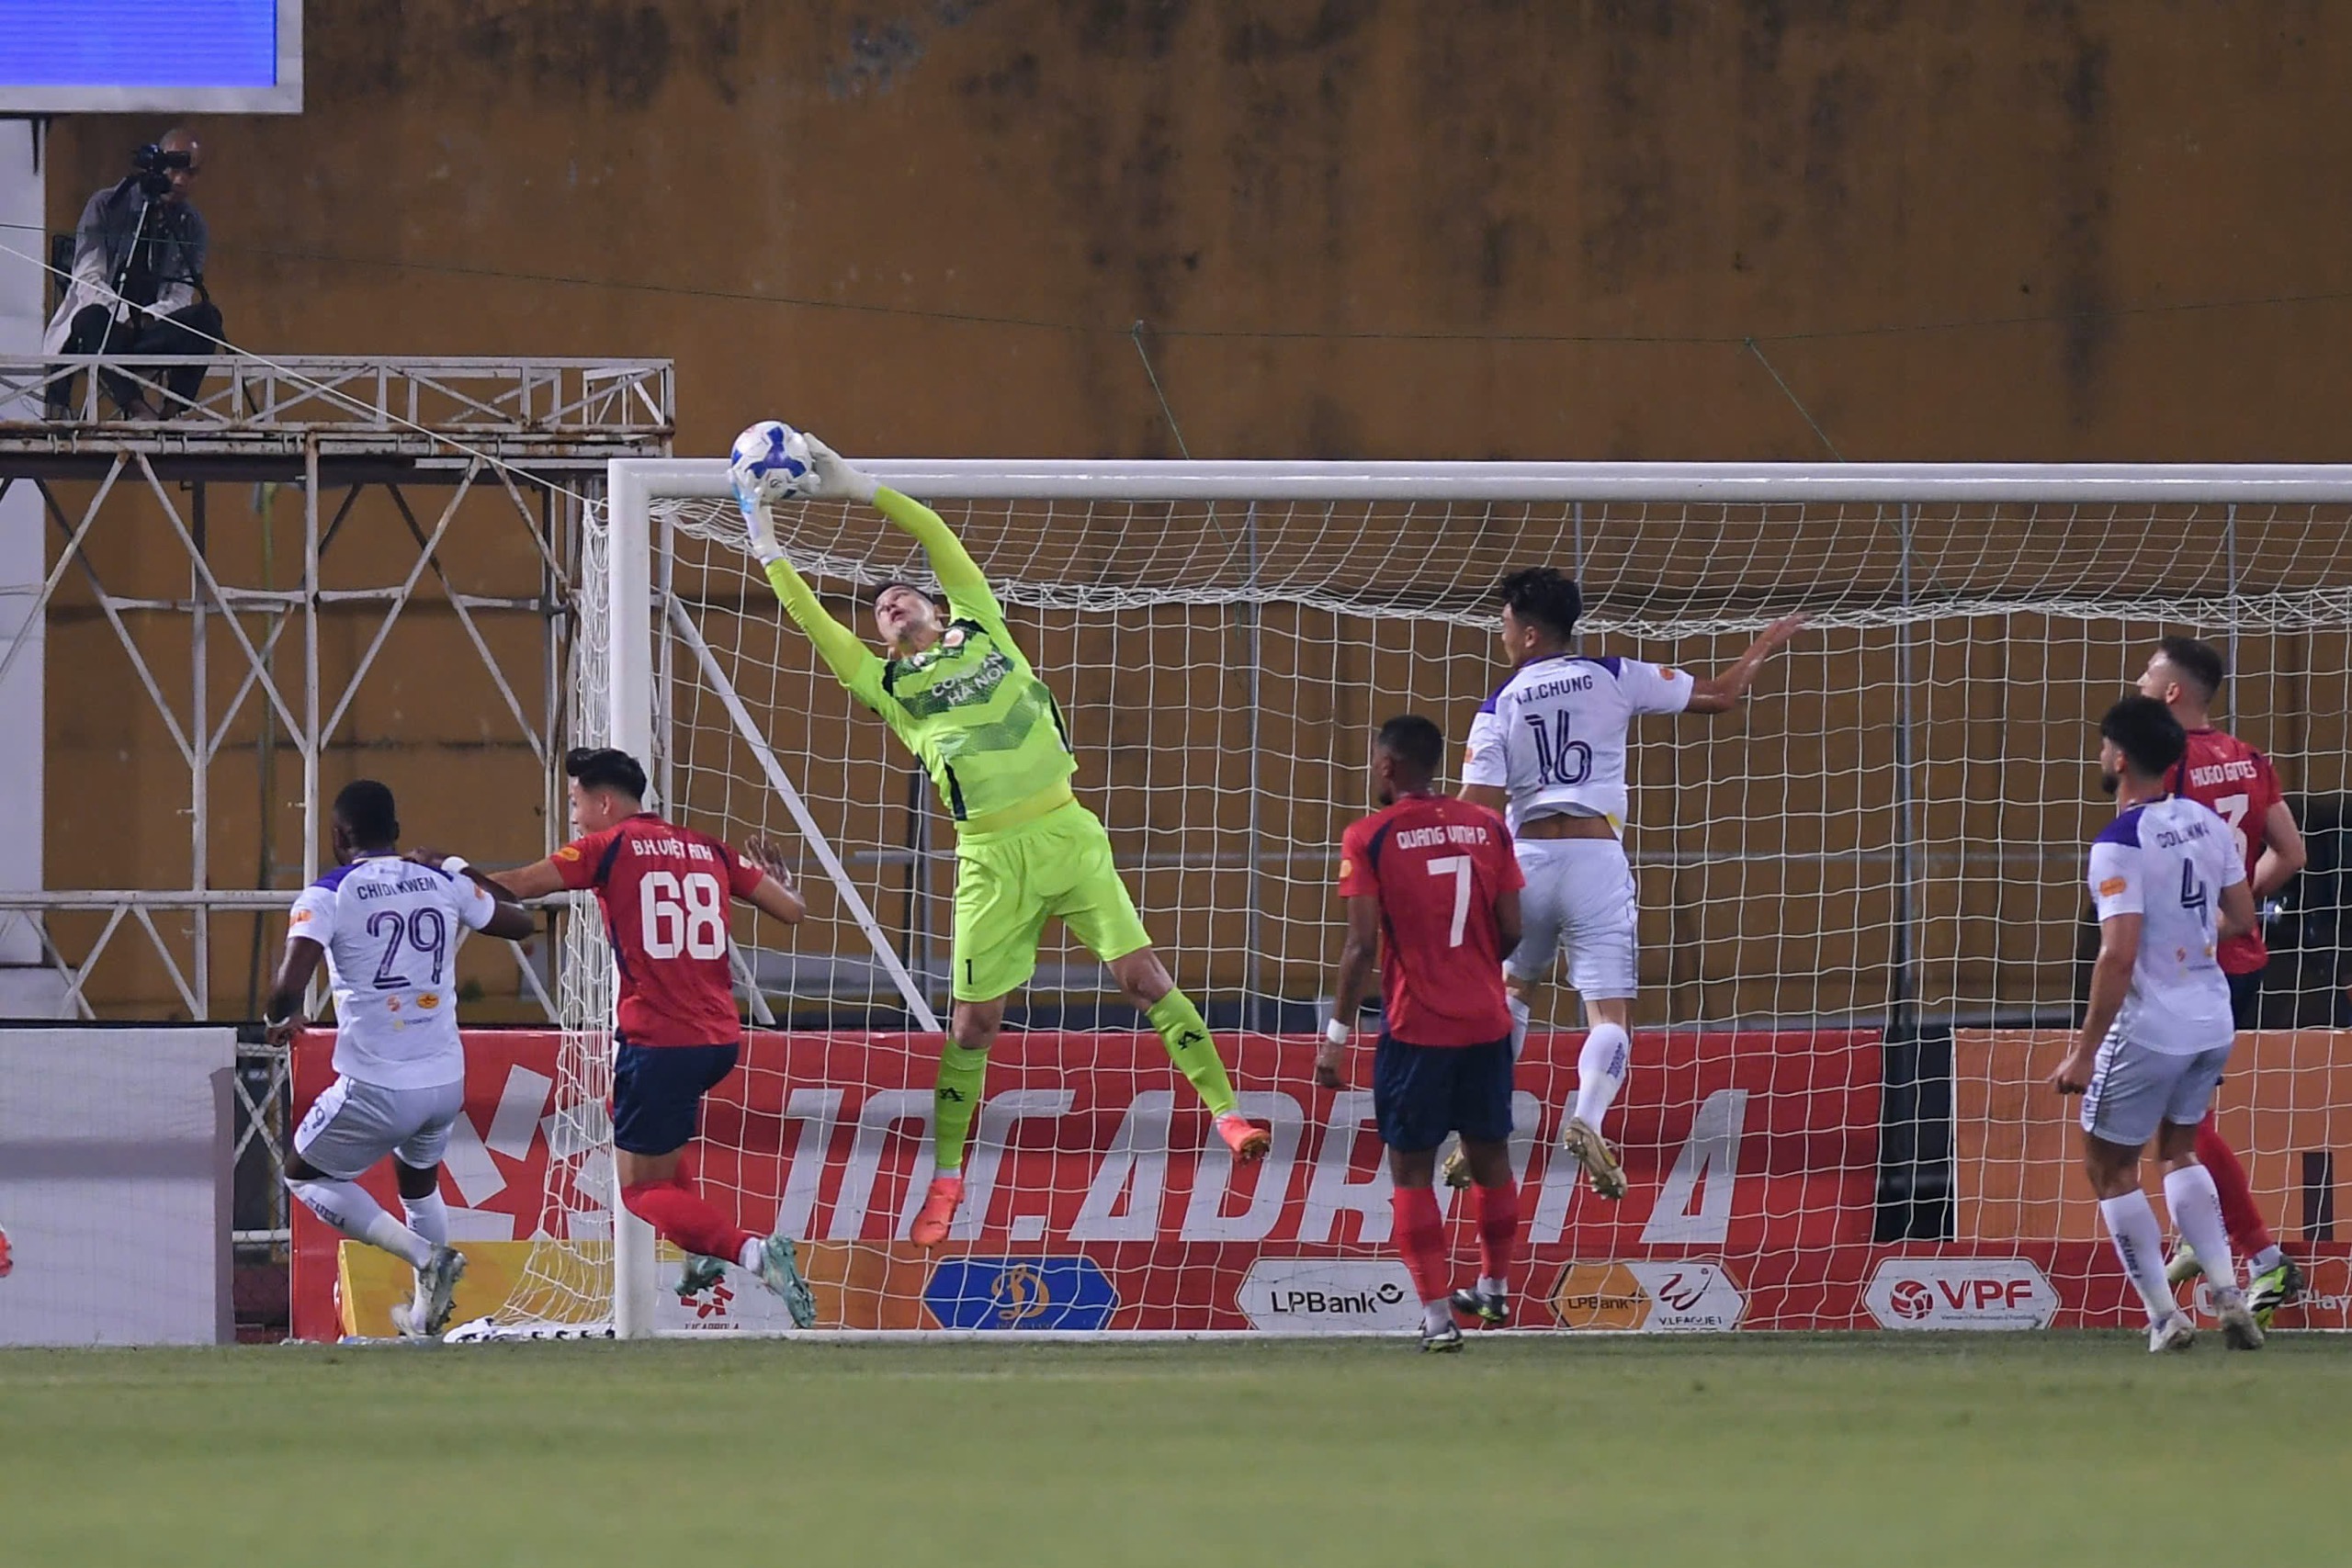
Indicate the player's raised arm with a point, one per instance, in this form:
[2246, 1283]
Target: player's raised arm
[852, 663]
[493, 909]
[960, 577]
[1721, 693]
[536, 880]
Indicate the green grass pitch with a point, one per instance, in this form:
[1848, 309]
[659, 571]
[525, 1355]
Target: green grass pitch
[1755, 1449]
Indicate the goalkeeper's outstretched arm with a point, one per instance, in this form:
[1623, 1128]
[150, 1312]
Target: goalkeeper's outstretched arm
[960, 577]
[850, 659]
[852, 663]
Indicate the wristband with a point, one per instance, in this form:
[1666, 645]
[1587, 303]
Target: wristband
[456, 865]
[1338, 1033]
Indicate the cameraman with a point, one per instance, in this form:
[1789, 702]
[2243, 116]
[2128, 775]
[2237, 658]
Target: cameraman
[144, 241]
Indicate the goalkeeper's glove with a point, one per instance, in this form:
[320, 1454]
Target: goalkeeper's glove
[832, 478]
[759, 522]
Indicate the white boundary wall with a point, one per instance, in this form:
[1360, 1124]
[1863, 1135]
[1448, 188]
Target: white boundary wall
[115, 1182]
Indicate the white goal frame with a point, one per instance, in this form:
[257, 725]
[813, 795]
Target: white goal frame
[636, 484]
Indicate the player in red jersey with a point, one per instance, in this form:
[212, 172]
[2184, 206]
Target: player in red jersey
[1433, 884]
[664, 892]
[2239, 786]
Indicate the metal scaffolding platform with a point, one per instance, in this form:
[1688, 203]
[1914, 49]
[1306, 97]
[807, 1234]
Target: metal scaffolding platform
[421, 455]
[258, 419]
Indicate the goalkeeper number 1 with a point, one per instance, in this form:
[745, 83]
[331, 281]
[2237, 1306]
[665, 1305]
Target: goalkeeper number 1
[961, 695]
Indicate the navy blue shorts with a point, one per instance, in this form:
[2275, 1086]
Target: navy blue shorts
[1420, 1093]
[658, 1090]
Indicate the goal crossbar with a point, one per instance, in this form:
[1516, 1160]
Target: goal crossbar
[990, 478]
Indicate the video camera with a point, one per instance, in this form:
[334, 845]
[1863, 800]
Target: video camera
[151, 167]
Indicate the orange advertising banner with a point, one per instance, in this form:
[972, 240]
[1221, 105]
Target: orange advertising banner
[2286, 1107]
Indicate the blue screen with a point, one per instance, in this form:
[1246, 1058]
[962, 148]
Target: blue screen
[138, 43]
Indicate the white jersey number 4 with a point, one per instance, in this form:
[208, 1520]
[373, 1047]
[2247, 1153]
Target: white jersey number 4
[683, 914]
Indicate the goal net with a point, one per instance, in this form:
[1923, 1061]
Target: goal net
[1862, 930]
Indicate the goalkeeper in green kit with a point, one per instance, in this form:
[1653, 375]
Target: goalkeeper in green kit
[965, 700]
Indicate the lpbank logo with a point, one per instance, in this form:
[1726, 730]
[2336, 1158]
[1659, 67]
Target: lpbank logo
[1961, 1292]
[1327, 1295]
[1656, 1297]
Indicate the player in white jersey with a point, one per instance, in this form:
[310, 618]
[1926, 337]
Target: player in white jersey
[389, 929]
[2169, 884]
[1549, 748]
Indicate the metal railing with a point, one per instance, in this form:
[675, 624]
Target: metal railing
[584, 409]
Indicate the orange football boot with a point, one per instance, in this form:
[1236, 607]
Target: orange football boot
[1247, 1141]
[939, 1206]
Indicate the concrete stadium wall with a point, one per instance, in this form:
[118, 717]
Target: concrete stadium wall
[2101, 230]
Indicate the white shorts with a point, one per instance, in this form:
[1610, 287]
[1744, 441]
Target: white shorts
[2132, 1088]
[1580, 896]
[354, 1125]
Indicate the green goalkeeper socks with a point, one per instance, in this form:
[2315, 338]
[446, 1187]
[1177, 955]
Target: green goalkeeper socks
[952, 1100]
[956, 1094]
[1190, 1047]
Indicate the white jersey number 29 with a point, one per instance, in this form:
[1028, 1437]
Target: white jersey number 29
[683, 914]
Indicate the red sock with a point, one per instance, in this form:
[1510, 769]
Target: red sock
[678, 1214]
[2248, 1234]
[1497, 1230]
[1420, 1236]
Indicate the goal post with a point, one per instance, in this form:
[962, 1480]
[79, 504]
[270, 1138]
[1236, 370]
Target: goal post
[1862, 911]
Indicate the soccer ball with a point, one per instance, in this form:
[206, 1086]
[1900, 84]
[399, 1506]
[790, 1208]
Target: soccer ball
[769, 462]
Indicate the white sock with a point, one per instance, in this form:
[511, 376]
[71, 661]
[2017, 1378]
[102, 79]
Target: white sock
[429, 1217]
[945, 1172]
[2197, 1214]
[1601, 1072]
[346, 1206]
[2269, 1258]
[753, 1251]
[1436, 1317]
[1520, 1012]
[1491, 1286]
[2140, 1245]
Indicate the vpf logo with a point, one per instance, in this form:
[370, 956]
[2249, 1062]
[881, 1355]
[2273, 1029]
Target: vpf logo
[1018, 1293]
[1911, 1300]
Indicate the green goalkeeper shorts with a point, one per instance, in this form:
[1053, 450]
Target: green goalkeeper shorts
[1010, 881]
